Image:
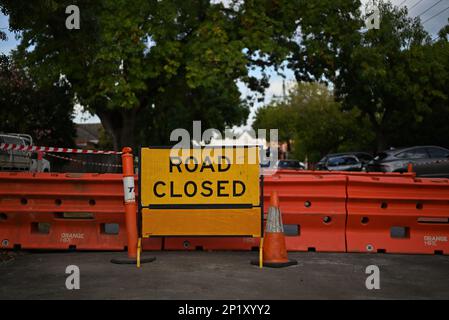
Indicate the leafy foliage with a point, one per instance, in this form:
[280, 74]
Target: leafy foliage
[315, 123]
[44, 112]
[146, 67]
[393, 75]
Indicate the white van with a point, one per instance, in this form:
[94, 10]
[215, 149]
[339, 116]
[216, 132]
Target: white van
[13, 160]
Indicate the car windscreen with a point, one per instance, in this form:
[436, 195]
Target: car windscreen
[418, 153]
[289, 164]
[341, 161]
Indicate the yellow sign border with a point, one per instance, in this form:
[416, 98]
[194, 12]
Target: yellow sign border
[222, 220]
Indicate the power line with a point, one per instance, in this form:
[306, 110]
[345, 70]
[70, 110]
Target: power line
[402, 3]
[419, 15]
[435, 15]
[415, 5]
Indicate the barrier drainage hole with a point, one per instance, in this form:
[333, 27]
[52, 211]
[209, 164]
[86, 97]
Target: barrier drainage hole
[58, 202]
[199, 248]
[23, 201]
[40, 227]
[307, 204]
[384, 205]
[399, 232]
[311, 249]
[291, 230]
[419, 206]
[364, 220]
[327, 219]
[110, 228]
[3, 216]
[92, 202]
[381, 251]
[438, 252]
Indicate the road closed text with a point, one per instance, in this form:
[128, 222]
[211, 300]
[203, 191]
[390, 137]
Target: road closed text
[205, 177]
[193, 188]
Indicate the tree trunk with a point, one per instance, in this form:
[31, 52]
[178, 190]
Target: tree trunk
[127, 134]
[378, 128]
[120, 124]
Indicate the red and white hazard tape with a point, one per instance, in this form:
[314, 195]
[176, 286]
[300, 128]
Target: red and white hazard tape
[84, 162]
[18, 147]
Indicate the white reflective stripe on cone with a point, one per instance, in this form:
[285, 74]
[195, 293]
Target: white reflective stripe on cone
[274, 220]
[128, 189]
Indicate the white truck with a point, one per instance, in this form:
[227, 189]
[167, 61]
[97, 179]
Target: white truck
[13, 160]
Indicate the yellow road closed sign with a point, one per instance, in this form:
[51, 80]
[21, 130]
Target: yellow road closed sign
[200, 191]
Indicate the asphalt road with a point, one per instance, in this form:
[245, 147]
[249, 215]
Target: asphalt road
[224, 275]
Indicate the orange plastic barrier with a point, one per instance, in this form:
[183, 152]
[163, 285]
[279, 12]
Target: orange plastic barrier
[314, 205]
[398, 215]
[63, 211]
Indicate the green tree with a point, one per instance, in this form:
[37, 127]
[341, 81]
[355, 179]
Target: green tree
[322, 126]
[278, 115]
[393, 75]
[44, 112]
[315, 123]
[146, 67]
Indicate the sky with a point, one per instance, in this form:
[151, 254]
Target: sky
[433, 13]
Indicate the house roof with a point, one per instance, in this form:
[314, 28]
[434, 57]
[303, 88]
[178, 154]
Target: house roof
[87, 133]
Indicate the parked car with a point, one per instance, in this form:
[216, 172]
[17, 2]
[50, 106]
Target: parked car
[427, 161]
[13, 160]
[350, 161]
[290, 164]
[265, 158]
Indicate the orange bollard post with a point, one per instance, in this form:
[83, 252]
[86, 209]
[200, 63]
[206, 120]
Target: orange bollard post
[130, 211]
[410, 167]
[130, 201]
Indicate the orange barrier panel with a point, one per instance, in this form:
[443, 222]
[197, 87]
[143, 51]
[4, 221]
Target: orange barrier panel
[63, 211]
[398, 215]
[313, 205]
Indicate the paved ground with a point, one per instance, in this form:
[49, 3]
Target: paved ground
[224, 275]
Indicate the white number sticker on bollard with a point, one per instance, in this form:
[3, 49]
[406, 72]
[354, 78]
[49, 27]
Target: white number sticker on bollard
[128, 189]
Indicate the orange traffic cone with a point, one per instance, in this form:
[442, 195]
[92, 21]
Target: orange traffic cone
[274, 250]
